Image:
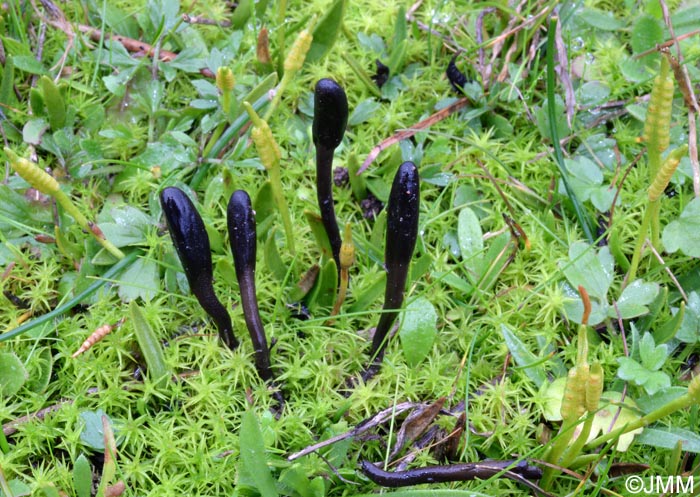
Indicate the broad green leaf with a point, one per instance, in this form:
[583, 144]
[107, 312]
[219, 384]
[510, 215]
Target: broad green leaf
[600, 19]
[652, 356]
[418, 330]
[659, 399]
[586, 180]
[49, 490]
[149, 345]
[264, 203]
[39, 370]
[92, 433]
[652, 381]
[363, 111]
[614, 413]
[273, 260]
[592, 271]
[551, 395]
[252, 454]
[326, 287]
[634, 300]
[592, 93]
[12, 374]
[647, 32]
[319, 233]
[523, 357]
[470, 237]
[139, 280]
[82, 477]
[326, 31]
[689, 331]
[601, 148]
[684, 233]
[667, 438]
[17, 488]
[241, 14]
[34, 130]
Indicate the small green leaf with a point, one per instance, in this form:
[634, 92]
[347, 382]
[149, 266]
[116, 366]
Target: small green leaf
[652, 356]
[523, 357]
[471, 240]
[634, 300]
[659, 399]
[689, 331]
[363, 111]
[600, 19]
[592, 271]
[319, 233]
[12, 374]
[273, 260]
[684, 233]
[241, 14]
[252, 454]
[82, 477]
[39, 370]
[264, 203]
[324, 291]
[667, 438]
[139, 280]
[34, 130]
[49, 490]
[418, 330]
[92, 434]
[150, 346]
[326, 31]
[54, 102]
[647, 32]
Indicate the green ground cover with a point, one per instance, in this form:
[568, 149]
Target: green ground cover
[541, 255]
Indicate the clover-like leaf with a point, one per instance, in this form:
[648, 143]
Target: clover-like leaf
[684, 233]
[652, 356]
[634, 300]
[592, 271]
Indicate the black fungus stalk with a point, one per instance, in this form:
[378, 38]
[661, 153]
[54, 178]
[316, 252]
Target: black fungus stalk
[330, 119]
[242, 235]
[192, 245]
[453, 472]
[401, 234]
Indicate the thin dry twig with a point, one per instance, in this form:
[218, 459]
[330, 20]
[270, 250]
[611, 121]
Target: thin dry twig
[364, 426]
[407, 133]
[205, 21]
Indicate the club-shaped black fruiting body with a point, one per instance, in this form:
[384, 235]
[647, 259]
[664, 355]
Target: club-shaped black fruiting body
[401, 234]
[192, 245]
[242, 235]
[330, 119]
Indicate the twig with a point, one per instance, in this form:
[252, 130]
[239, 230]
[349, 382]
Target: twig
[11, 427]
[407, 133]
[205, 21]
[362, 427]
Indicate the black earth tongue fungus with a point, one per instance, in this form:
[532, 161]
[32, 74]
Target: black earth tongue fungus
[330, 119]
[401, 234]
[455, 76]
[518, 471]
[192, 245]
[242, 235]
